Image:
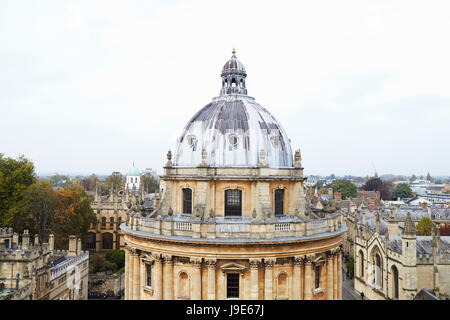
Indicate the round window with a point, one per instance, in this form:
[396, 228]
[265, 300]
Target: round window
[233, 139]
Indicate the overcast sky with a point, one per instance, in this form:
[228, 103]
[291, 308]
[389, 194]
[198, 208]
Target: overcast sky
[90, 86]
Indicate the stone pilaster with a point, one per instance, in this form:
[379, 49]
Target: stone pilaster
[136, 276]
[296, 278]
[196, 278]
[339, 275]
[308, 292]
[335, 275]
[127, 273]
[329, 288]
[158, 291]
[130, 273]
[168, 277]
[211, 264]
[268, 276]
[254, 283]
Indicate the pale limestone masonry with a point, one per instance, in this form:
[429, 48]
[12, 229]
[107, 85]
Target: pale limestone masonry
[36, 271]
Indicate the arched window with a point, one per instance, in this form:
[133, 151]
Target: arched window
[378, 270]
[361, 260]
[282, 285]
[279, 200]
[103, 222]
[111, 223]
[183, 285]
[394, 272]
[90, 241]
[233, 203]
[233, 82]
[187, 200]
[107, 241]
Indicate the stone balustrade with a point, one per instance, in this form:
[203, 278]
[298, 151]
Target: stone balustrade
[67, 265]
[234, 227]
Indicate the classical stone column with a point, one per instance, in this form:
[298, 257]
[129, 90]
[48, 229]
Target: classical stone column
[130, 289]
[158, 290]
[168, 277]
[211, 263]
[127, 273]
[136, 276]
[296, 280]
[254, 283]
[335, 276]
[339, 275]
[268, 275]
[308, 278]
[197, 278]
[329, 276]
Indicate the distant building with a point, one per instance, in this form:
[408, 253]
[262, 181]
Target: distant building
[111, 212]
[133, 179]
[34, 271]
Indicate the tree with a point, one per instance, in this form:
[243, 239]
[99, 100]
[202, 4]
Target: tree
[413, 178]
[116, 179]
[403, 190]
[345, 187]
[424, 227]
[429, 177]
[149, 182]
[117, 257]
[35, 211]
[373, 184]
[387, 190]
[16, 175]
[73, 214]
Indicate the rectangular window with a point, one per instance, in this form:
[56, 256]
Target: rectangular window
[317, 277]
[232, 285]
[187, 201]
[279, 197]
[149, 274]
[233, 203]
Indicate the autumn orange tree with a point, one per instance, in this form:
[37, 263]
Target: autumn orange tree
[73, 214]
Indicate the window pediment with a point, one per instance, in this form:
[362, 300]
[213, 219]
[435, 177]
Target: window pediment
[233, 267]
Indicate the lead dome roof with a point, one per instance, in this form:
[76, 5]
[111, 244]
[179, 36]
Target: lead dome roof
[234, 130]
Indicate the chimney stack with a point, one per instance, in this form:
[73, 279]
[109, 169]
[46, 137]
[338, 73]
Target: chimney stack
[15, 240]
[79, 247]
[72, 246]
[25, 240]
[51, 243]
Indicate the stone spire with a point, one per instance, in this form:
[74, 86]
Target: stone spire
[298, 159]
[410, 228]
[377, 222]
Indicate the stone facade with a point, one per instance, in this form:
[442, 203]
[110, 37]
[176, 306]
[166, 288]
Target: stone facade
[38, 272]
[232, 221]
[399, 266]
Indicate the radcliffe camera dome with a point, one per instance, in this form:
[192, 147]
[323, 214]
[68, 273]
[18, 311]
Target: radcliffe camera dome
[233, 129]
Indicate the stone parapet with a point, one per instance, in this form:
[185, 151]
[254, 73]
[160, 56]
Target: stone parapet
[235, 228]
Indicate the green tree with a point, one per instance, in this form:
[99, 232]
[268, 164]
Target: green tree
[149, 182]
[116, 179]
[16, 175]
[351, 268]
[35, 211]
[345, 187]
[429, 178]
[413, 178]
[424, 227]
[116, 256]
[403, 190]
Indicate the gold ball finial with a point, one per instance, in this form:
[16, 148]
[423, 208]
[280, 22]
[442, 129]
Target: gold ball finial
[234, 51]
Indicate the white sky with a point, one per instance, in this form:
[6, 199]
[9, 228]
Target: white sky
[90, 86]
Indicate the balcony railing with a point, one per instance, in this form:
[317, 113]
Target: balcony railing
[236, 227]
